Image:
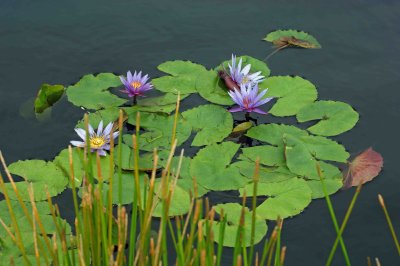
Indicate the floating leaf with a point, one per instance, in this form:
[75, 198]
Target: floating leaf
[265, 174]
[336, 117]
[159, 130]
[286, 198]
[212, 88]
[127, 157]
[128, 187]
[107, 115]
[183, 79]
[364, 167]
[241, 128]
[62, 161]
[211, 122]
[233, 211]
[179, 205]
[92, 92]
[268, 155]
[332, 177]
[47, 96]
[164, 104]
[292, 93]
[212, 170]
[273, 133]
[285, 38]
[44, 176]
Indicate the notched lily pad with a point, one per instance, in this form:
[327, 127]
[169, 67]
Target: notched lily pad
[42, 175]
[294, 38]
[47, 96]
[213, 89]
[336, 117]
[92, 92]
[292, 94]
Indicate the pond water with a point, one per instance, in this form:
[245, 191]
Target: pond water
[58, 42]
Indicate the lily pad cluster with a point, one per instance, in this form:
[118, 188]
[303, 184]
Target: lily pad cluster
[293, 160]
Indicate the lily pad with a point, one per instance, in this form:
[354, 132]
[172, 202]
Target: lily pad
[272, 133]
[212, 169]
[292, 93]
[106, 115]
[286, 198]
[241, 129]
[268, 155]
[212, 88]
[265, 174]
[183, 79]
[333, 181]
[285, 38]
[180, 202]
[92, 92]
[336, 117]
[47, 96]
[62, 161]
[128, 187]
[211, 122]
[127, 157]
[233, 213]
[42, 175]
[164, 104]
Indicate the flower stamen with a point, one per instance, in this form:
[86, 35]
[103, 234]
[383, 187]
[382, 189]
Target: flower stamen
[97, 142]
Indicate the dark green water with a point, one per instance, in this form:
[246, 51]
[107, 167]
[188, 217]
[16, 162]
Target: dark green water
[59, 41]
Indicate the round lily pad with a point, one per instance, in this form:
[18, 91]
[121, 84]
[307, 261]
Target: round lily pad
[292, 38]
[267, 154]
[335, 117]
[272, 133]
[47, 96]
[92, 92]
[213, 89]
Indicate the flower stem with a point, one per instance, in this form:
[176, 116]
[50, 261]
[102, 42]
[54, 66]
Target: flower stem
[134, 100]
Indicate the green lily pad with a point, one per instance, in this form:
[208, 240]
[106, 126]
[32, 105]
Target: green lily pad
[128, 187]
[212, 169]
[42, 175]
[127, 157]
[267, 154]
[211, 122]
[285, 199]
[212, 88]
[241, 129]
[47, 96]
[164, 104]
[183, 79]
[272, 133]
[292, 93]
[333, 181]
[92, 92]
[180, 202]
[265, 174]
[336, 117]
[106, 115]
[62, 161]
[159, 131]
[295, 38]
[233, 213]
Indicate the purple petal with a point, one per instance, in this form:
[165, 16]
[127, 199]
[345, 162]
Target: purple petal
[260, 95]
[259, 111]
[78, 143]
[129, 76]
[100, 128]
[91, 130]
[235, 109]
[81, 133]
[107, 130]
[263, 101]
[102, 152]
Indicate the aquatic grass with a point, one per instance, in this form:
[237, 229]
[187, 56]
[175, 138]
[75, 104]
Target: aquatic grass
[389, 222]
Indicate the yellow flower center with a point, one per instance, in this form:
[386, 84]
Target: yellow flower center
[136, 84]
[97, 142]
[245, 80]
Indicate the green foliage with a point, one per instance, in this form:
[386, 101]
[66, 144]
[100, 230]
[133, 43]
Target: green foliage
[272, 133]
[268, 155]
[292, 93]
[180, 201]
[62, 161]
[293, 38]
[285, 199]
[233, 212]
[211, 122]
[212, 88]
[92, 92]
[333, 181]
[44, 176]
[335, 117]
[127, 157]
[47, 96]
[106, 115]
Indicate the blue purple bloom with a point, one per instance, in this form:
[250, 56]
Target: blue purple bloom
[136, 85]
[248, 99]
[243, 76]
[99, 141]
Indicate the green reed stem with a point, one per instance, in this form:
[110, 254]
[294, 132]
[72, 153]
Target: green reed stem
[120, 120]
[254, 209]
[343, 226]
[333, 216]
[389, 221]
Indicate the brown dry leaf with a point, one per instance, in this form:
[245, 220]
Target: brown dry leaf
[365, 167]
[292, 41]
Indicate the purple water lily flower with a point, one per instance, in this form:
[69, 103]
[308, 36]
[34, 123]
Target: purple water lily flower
[242, 76]
[249, 99]
[136, 85]
[99, 141]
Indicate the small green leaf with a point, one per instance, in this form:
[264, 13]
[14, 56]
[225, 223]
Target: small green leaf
[241, 128]
[212, 169]
[286, 198]
[233, 214]
[92, 92]
[292, 93]
[179, 67]
[212, 123]
[44, 176]
[336, 117]
[212, 88]
[295, 38]
[47, 96]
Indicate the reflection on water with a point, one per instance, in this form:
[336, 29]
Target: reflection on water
[44, 41]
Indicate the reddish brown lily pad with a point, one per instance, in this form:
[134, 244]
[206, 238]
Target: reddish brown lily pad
[364, 168]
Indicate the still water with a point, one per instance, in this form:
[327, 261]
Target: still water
[59, 41]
